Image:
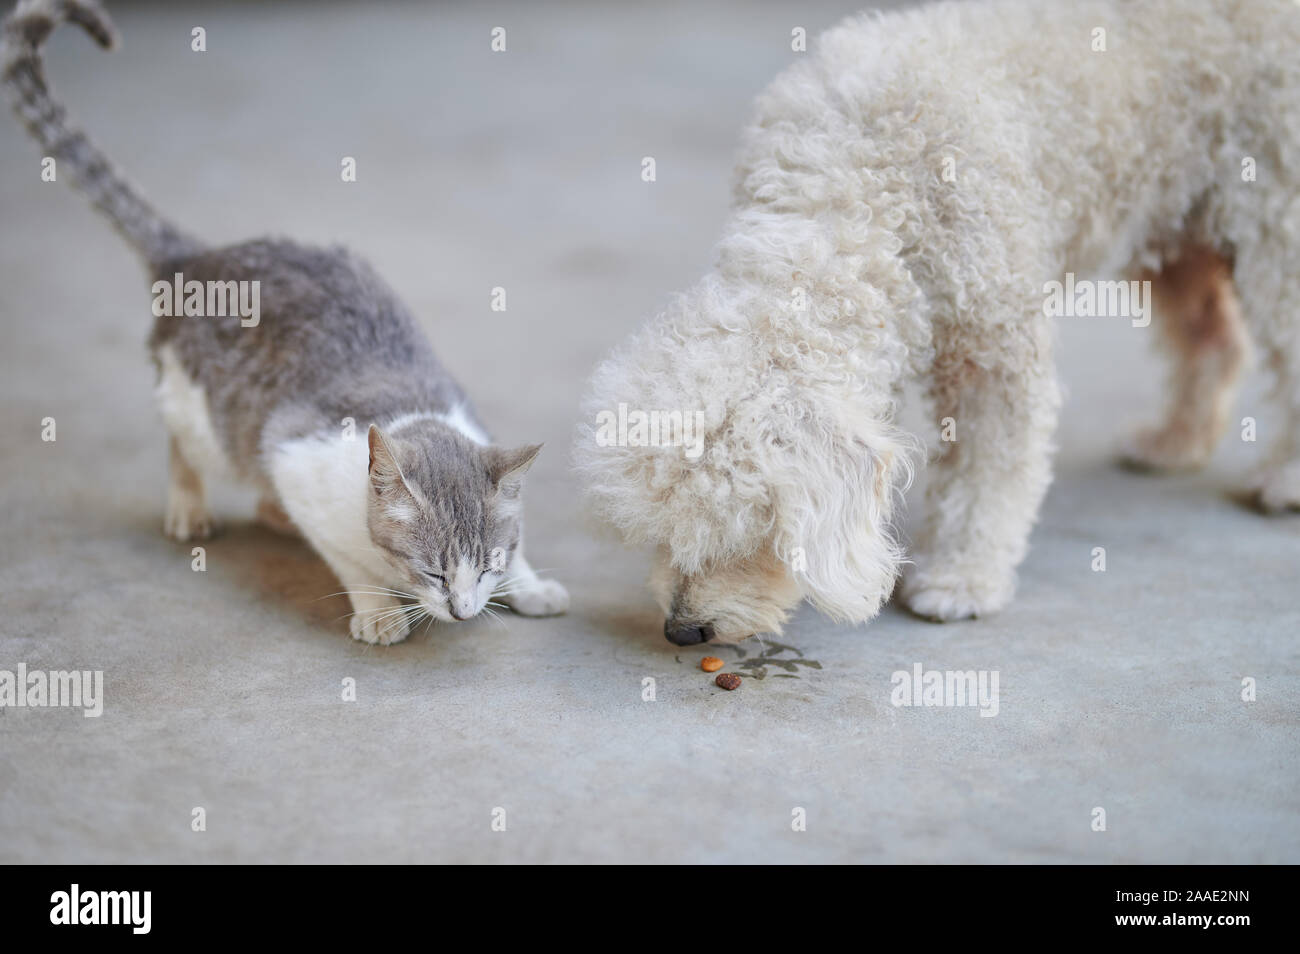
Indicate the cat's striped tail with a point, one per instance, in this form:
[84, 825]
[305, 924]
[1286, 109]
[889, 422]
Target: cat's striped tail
[25, 33]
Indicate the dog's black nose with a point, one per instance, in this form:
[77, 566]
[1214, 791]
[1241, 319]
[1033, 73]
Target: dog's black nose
[685, 634]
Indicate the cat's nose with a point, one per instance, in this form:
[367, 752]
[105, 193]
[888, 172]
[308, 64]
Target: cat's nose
[687, 634]
[461, 609]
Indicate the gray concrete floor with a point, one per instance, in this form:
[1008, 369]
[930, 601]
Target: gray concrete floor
[1119, 690]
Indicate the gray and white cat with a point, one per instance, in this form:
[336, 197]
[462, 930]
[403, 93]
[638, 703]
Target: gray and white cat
[423, 509]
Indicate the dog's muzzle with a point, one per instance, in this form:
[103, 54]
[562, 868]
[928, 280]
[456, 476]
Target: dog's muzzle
[687, 634]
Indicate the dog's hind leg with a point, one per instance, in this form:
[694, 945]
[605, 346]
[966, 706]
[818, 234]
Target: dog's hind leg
[1000, 414]
[1199, 318]
[1276, 488]
[1268, 277]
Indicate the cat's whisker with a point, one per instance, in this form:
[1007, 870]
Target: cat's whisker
[364, 611]
[399, 611]
[376, 588]
[379, 591]
[513, 579]
[392, 621]
[402, 619]
[394, 597]
[518, 584]
[329, 595]
[395, 611]
[518, 578]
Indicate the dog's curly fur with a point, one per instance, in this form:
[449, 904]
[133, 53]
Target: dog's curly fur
[1066, 159]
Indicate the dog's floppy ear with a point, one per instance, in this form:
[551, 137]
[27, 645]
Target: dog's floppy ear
[834, 507]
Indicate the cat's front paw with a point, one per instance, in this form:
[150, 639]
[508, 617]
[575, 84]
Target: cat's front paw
[379, 623]
[187, 518]
[543, 598]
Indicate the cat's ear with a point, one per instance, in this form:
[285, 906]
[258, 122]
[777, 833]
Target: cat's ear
[507, 467]
[385, 473]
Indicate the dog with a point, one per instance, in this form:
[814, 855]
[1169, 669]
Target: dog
[905, 197]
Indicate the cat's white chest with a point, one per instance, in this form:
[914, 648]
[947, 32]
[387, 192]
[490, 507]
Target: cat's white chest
[322, 483]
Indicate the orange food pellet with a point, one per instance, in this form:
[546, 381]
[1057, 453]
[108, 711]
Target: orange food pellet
[711, 663]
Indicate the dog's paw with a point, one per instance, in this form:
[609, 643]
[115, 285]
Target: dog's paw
[1278, 490]
[943, 597]
[544, 598]
[1163, 450]
[187, 518]
[381, 624]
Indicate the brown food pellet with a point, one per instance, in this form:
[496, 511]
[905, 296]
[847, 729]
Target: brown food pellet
[728, 681]
[710, 663]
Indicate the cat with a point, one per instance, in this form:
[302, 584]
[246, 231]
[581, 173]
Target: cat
[422, 516]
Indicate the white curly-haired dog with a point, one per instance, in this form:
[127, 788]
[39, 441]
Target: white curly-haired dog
[905, 196]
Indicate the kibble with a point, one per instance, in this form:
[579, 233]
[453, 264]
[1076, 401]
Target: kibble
[710, 663]
[728, 681]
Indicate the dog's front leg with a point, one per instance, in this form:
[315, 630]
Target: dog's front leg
[996, 417]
